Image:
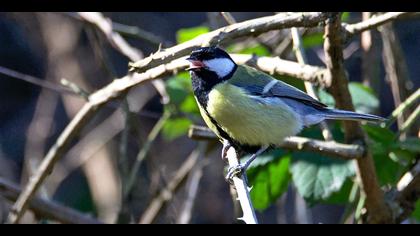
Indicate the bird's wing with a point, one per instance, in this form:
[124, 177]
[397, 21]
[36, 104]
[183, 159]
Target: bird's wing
[266, 86]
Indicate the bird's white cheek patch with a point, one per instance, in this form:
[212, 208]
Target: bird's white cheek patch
[221, 66]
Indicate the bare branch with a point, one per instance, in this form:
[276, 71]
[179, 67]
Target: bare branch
[168, 191]
[329, 148]
[412, 99]
[374, 22]
[377, 209]
[143, 153]
[228, 17]
[119, 43]
[192, 187]
[242, 190]
[275, 65]
[395, 67]
[228, 33]
[47, 209]
[412, 119]
[112, 91]
[37, 81]
[408, 192]
[301, 58]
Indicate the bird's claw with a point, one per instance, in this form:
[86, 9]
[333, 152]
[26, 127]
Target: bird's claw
[234, 171]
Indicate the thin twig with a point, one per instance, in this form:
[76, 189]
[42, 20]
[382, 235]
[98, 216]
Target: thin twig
[119, 43]
[46, 209]
[168, 191]
[329, 148]
[370, 62]
[228, 17]
[373, 22]
[412, 119]
[228, 33]
[408, 192]
[395, 67]
[115, 39]
[412, 99]
[241, 185]
[143, 153]
[377, 209]
[192, 187]
[301, 58]
[36, 81]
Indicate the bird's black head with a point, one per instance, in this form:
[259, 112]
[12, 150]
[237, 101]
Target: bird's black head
[213, 60]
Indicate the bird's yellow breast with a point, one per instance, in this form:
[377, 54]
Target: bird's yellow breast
[250, 120]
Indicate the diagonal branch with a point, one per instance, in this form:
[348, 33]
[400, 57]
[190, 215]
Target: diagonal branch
[46, 209]
[408, 192]
[228, 33]
[373, 22]
[301, 58]
[168, 191]
[377, 209]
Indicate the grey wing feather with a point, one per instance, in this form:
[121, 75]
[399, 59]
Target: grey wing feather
[281, 89]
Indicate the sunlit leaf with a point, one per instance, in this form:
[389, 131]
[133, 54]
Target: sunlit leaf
[269, 177]
[345, 16]
[317, 178]
[381, 141]
[175, 127]
[186, 34]
[363, 97]
[313, 40]
[416, 212]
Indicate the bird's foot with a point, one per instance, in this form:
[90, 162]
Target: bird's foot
[234, 171]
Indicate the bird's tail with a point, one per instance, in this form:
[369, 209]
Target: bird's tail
[335, 114]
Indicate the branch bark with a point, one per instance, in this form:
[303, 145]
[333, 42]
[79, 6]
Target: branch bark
[228, 33]
[329, 148]
[396, 68]
[301, 58]
[46, 209]
[377, 209]
[242, 190]
[408, 192]
[374, 22]
[168, 191]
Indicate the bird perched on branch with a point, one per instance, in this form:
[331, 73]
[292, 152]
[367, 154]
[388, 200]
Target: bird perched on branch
[251, 110]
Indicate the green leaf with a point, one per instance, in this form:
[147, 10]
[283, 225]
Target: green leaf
[189, 105]
[269, 177]
[175, 127]
[326, 98]
[317, 178]
[364, 99]
[178, 88]
[312, 40]
[186, 34]
[416, 212]
[380, 145]
[258, 50]
[345, 16]
[341, 196]
[380, 134]
[410, 144]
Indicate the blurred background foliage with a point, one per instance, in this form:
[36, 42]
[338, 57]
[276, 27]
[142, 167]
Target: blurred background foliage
[287, 187]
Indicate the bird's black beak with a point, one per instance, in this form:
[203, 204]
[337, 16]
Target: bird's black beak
[194, 63]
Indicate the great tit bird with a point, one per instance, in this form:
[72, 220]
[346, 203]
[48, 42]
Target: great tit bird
[251, 110]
